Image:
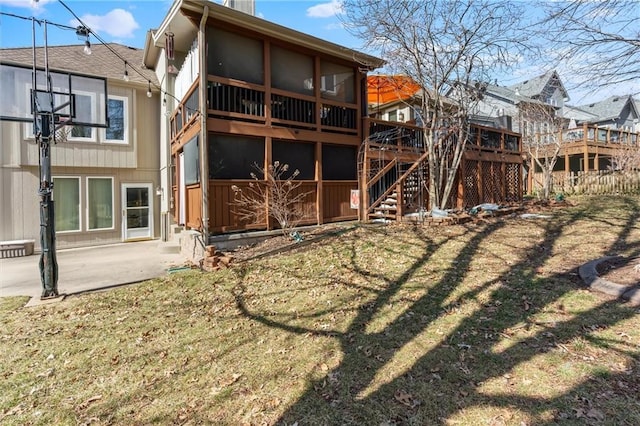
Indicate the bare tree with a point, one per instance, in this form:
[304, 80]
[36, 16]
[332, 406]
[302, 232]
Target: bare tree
[447, 47]
[275, 196]
[600, 38]
[541, 129]
[625, 159]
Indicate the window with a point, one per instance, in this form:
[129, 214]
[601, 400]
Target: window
[191, 161]
[66, 207]
[84, 114]
[234, 157]
[328, 85]
[337, 82]
[118, 130]
[393, 115]
[99, 203]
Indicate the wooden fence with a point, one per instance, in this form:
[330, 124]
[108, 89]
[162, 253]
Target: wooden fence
[593, 182]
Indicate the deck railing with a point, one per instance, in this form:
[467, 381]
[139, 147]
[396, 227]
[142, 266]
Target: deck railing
[248, 102]
[592, 135]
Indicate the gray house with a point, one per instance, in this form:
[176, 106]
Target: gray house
[615, 112]
[510, 107]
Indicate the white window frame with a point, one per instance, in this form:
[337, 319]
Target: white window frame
[323, 84]
[87, 206]
[79, 179]
[93, 137]
[125, 123]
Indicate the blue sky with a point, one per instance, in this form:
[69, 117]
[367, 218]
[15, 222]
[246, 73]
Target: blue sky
[127, 21]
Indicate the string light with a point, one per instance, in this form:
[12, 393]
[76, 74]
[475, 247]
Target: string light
[83, 33]
[87, 47]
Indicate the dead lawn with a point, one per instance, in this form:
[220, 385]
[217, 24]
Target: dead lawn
[482, 323]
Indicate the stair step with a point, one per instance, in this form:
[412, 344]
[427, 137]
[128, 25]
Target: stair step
[382, 216]
[386, 207]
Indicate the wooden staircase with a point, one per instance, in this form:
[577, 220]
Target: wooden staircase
[392, 164]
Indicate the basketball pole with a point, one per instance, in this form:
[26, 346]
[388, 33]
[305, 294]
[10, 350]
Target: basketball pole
[48, 263]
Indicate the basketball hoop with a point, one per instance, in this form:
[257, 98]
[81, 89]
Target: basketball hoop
[62, 129]
[62, 134]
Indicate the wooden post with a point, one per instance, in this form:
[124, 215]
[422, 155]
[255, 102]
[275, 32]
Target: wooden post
[319, 196]
[267, 82]
[268, 161]
[480, 182]
[585, 157]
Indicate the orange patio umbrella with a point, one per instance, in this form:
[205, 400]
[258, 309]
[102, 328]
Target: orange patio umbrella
[387, 88]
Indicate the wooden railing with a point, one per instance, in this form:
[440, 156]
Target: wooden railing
[592, 135]
[248, 102]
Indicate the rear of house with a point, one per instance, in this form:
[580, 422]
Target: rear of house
[104, 178]
[245, 92]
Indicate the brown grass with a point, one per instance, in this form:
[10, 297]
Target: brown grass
[483, 323]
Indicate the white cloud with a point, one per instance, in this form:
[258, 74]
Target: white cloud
[117, 23]
[325, 10]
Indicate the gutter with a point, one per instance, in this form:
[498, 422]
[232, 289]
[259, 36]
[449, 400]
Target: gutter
[202, 94]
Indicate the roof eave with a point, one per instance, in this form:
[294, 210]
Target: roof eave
[280, 32]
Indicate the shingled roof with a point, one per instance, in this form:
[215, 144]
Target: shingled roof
[534, 87]
[609, 108]
[101, 63]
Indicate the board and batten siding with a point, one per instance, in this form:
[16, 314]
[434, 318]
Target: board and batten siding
[136, 162]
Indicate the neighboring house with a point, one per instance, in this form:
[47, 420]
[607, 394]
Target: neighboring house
[104, 178]
[243, 92]
[615, 112]
[394, 98]
[522, 107]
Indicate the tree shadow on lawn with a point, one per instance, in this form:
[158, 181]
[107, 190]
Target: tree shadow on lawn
[404, 373]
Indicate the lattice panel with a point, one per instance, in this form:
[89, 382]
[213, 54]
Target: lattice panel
[487, 182]
[414, 189]
[513, 182]
[471, 195]
[453, 197]
[499, 184]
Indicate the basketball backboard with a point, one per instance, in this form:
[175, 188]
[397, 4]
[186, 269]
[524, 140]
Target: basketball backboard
[74, 98]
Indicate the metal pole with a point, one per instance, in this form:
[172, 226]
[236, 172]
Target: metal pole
[48, 262]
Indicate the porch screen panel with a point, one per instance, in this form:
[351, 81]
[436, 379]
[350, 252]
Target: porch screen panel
[291, 71]
[337, 82]
[339, 162]
[235, 157]
[191, 162]
[235, 56]
[297, 155]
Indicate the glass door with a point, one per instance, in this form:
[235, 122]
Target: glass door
[137, 211]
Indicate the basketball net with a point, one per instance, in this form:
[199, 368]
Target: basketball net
[62, 131]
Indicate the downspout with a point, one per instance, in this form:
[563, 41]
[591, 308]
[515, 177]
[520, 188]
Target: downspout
[204, 151]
